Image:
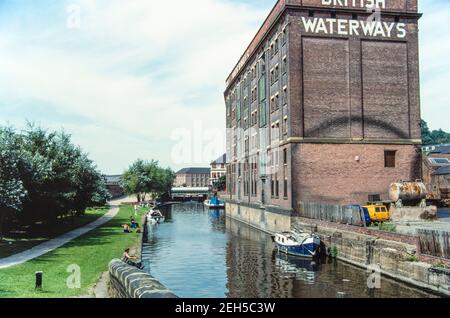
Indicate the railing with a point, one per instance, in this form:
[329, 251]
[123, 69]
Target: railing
[434, 243]
[331, 213]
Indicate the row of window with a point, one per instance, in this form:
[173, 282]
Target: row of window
[257, 71]
[217, 175]
[275, 72]
[275, 45]
[277, 131]
[275, 187]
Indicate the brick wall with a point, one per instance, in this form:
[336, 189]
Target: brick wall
[329, 172]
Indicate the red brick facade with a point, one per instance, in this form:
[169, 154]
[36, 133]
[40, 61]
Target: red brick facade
[316, 109]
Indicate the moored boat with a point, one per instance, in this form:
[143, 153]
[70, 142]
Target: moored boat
[215, 205]
[155, 217]
[297, 243]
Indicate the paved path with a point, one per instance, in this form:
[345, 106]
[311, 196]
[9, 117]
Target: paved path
[59, 241]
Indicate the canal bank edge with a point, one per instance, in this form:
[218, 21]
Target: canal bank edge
[390, 257]
[125, 281]
[129, 282]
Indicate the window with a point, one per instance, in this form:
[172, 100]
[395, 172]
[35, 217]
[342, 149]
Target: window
[275, 134]
[285, 186]
[284, 65]
[285, 125]
[275, 102]
[284, 36]
[274, 75]
[277, 73]
[277, 186]
[285, 156]
[389, 158]
[262, 89]
[262, 65]
[254, 94]
[439, 161]
[272, 186]
[262, 114]
[284, 96]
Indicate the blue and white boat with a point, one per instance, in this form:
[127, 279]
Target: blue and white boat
[297, 243]
[215, 203]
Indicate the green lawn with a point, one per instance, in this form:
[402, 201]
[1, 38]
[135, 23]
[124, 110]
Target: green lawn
[41, 233]
[92, 252]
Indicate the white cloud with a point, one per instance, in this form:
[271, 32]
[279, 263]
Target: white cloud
[434, 39]
[137, 69]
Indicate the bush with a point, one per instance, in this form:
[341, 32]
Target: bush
[387, 227]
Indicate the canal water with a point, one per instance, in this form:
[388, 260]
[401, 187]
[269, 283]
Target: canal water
[199, 253]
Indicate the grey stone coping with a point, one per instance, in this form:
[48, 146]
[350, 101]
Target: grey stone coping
[137, 283]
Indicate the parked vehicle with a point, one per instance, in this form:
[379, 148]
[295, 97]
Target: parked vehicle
[377, 212]
[373, 213]
[364, 215]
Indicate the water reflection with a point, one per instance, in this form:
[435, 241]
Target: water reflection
[200, 253]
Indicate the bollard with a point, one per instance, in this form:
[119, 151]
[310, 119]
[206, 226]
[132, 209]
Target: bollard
[39, 280]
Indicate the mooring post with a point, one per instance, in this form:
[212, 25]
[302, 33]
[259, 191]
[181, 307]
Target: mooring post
[39, 280]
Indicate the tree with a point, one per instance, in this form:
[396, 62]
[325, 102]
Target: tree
[166, 178]
[12, 191]
[134, 180]
[60, 178]
[221, 183]
[43, 176]
[147, 177]
[434, 137]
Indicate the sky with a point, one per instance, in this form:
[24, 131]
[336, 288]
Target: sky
[145, 78]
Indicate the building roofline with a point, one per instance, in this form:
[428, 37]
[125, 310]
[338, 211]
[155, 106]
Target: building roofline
[260, 36]
[230, 79]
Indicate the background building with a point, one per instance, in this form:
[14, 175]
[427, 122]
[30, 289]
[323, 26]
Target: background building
[113, 186]
[323, 106]
[193, 177]
[436, 174]
[218, 168]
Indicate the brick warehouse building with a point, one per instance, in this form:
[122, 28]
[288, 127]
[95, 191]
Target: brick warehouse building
[324, 106]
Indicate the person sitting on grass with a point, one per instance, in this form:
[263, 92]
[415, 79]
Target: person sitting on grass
[126, 228]
[134, 224]
[131, 260]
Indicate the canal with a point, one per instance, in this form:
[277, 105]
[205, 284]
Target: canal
[199, 253]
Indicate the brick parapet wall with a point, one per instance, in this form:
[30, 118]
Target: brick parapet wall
[389, 236]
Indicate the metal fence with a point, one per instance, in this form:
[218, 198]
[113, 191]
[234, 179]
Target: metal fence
[434, 243]
[331, 213]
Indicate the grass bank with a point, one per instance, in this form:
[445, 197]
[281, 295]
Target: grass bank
[91, 252]
[39, 233]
